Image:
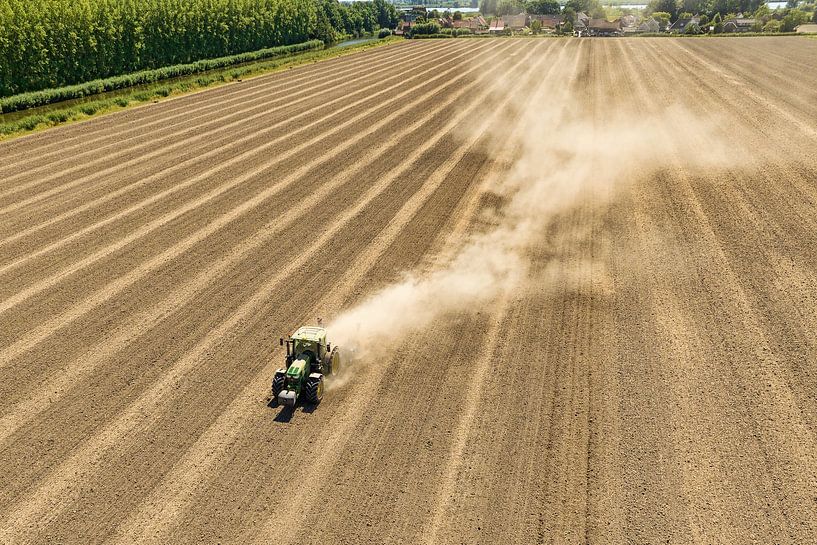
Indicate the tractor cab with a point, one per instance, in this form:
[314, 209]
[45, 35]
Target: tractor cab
[309, 341]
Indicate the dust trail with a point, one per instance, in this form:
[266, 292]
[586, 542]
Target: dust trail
[560, 159]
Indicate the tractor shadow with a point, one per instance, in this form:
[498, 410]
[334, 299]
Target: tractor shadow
[308, 408]
[286, 413]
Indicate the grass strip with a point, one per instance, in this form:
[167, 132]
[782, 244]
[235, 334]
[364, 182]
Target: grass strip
[161, 90]
[33, 99]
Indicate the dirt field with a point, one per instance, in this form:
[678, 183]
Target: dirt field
[642, 369]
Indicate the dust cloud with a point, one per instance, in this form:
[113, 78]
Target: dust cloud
[557, 158]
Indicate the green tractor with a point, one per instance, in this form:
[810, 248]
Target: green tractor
[309, 359]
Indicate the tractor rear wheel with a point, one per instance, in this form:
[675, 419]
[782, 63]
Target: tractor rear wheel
[334, 362]
[313, 390]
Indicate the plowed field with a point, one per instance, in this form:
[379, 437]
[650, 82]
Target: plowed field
[640, 365]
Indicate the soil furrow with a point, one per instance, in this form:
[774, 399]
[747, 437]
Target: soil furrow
[162, 175]
[67, 378]
[73, 136]
[178, 141]
[57, 276]
[153, 131]
[169, 379]
[651, 378]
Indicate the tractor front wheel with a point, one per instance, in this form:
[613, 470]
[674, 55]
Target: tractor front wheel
[313, 390]
[277, 385]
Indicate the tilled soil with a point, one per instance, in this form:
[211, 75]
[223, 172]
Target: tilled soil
[658, 384]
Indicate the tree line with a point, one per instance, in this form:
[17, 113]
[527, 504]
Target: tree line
[513, 7]
[711, 12]
[714, 13]
[52, 43]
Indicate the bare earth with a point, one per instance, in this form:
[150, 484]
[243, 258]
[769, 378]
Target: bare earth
[656, 382]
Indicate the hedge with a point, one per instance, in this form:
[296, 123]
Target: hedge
[48, 96]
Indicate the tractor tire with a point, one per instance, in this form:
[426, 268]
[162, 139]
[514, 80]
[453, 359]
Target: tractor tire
[334, 362]
[313, 390]
[277, 385]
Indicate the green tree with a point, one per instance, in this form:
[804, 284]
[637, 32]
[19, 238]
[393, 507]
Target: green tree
[748, 6]
[587, 6]
[510, 7]
[426, 28]
[324, 30]
[717, 22]
[457, 16]
[663, 19]
[387, 16]
[488, 7]
[535, 26]
[772, 26]
[668, 6]
[762, 11]
[569, 16]
[694, 6]
[543, 7]
[794, 19]
[734, 6]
